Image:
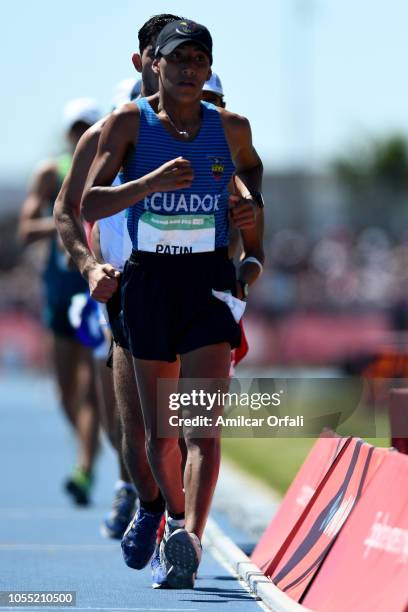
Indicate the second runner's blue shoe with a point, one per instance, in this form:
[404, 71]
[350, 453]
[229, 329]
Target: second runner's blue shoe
[159, 571]
[123, 508]
[139, 539]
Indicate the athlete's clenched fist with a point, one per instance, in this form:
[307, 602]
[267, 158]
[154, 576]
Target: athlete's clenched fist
[242, 212]
[103, 282]
[174, 174]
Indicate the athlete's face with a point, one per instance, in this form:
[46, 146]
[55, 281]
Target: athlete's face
[183, 72]
[211, 96]
[143, 64]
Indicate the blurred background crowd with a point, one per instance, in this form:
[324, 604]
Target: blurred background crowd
[335, 284]
[327, 109]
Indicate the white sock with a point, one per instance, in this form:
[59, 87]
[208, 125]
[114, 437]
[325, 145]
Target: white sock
[176, 522]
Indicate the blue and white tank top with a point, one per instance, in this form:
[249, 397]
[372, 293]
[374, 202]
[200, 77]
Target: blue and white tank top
[114, 238]
[193, 220]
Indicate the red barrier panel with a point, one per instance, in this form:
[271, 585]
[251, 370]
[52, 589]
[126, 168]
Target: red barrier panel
[305, 549]
[298, 496]
[367, 568]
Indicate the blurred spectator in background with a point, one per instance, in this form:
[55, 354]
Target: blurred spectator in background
[73, 362]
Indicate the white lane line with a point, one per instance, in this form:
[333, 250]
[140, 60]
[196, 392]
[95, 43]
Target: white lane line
[234, 558]
[222, 561]
[254, 510]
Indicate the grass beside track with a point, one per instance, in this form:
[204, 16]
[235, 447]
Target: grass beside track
[275, 461]
[339, 404]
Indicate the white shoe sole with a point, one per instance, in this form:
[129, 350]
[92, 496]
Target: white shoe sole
[183, 558]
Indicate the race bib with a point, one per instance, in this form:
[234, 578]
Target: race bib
[176, 235]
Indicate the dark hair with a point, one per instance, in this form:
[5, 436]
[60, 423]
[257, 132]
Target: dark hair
[149, 32]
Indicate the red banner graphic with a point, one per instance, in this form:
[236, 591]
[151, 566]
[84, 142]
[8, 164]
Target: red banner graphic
[300, 557]
[297, 498]
[367, 568]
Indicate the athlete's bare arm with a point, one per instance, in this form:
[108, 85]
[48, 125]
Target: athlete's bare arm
[117, 140]
[96, 242]
[249, 170]
[243, 210]
[252, 243]
[102, 279]
[67, 206]
[248, 164]
[33, 225]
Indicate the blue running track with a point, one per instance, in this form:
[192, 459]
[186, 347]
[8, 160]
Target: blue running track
[46, 544]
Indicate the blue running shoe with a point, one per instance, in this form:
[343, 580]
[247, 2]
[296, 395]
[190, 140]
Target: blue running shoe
[139, 539]
[123, 508]
[159, 571]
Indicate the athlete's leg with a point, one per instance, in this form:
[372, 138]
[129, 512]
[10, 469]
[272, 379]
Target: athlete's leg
[65, 364]
[132, 430]
[88, 411]
[163, 453]
[123, 509]
[109, 415]
[183, 451]
[203, 453]
[77, 386]
[76, 378]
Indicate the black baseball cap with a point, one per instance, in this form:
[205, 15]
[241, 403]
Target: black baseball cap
[181, 31]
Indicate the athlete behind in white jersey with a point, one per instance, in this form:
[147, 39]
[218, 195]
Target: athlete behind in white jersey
[125, 493]
[180, 297]
[103, 279]
[72, 361]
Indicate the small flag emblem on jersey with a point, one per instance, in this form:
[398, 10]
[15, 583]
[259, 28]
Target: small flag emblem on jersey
[217, 167]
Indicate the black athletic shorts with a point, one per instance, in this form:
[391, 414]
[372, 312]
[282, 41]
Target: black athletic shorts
[115, 314]
[168, 305]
